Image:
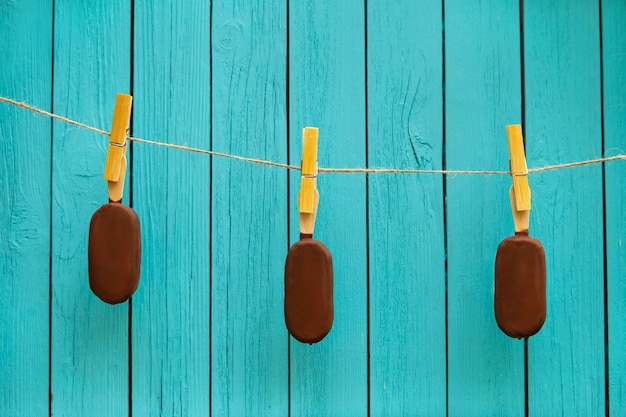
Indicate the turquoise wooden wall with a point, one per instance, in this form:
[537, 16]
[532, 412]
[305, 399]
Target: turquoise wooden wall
[410, 84]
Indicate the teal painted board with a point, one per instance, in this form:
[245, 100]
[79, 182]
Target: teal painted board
[89, 337]
[482, 96]
[25, 75]
[563, 124]
[249, 360]
[327, 90]
[171, 193]
[405, 212]
[614, 88]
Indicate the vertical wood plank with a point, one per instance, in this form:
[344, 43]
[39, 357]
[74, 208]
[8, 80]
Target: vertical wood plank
[405, 212]
[563, 123]
[249, 218]
[614, 78]
[482, 96]
[327, 90]
[89, 337]
[25, 75]
[170, 312]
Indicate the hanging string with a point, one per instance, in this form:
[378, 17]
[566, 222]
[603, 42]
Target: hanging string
[52, 115]
[225, 155]
[321, 169]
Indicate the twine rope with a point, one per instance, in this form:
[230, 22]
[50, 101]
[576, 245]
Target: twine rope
[34, 109]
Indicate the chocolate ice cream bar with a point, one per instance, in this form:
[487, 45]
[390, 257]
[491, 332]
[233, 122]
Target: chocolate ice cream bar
[114, 253]
[309, 290]
[520, 285]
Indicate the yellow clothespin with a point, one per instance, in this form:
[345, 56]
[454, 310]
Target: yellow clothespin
[308, 198]
[520, 191]
[115, 166]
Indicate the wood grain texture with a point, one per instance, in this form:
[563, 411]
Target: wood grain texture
[563, 123]
[170, 311]
[25, 74]
[482, 96]
[207, 335]
[249, 235]
[327, 90]
[614, 79]
[89, 338]
[405, 212]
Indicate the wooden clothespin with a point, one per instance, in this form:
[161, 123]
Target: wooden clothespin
[308, 198]
[520, 191]
[115, 166]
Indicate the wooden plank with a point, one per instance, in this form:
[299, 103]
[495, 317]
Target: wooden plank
[170, 311]
[614, 78]
[405, 212]
[482, 96]
[89, 337]
[563, 123]
[249, 236]
[25, 75]
[327, 90]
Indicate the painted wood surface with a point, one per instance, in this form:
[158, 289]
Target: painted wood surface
[89, 343]
[25, 209]
[89, 351]
[482, 96]
[171, 193]
[614, 90]
[390, 84]
[327, 90]
[563, 122]
[249, 357]
[405, 213]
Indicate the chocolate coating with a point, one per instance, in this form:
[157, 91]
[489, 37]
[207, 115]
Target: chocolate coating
[114, 253]
[309, 291]
[520, 286]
